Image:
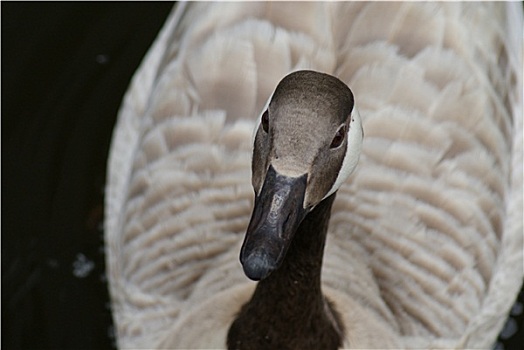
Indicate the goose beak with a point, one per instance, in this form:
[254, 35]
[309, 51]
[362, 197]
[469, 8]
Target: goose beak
[276, 216]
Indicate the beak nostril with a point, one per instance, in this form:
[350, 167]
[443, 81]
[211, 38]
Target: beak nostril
[286, 221]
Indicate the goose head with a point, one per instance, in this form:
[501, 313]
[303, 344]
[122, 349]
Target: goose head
[307, 142]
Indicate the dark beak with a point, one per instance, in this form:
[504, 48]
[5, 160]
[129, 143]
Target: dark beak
[276, 216]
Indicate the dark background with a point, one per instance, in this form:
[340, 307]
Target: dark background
[65, 69]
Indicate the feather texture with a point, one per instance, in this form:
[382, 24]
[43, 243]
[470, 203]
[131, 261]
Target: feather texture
[425, 239]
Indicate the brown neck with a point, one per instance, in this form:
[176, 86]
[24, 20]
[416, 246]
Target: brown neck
[288, 309]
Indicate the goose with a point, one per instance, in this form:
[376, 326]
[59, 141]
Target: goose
[307, 143]
[423, 246]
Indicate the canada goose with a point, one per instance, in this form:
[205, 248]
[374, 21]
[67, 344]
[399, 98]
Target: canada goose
[308, 142]
[425, 237]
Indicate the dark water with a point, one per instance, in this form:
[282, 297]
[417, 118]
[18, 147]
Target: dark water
[65, 68]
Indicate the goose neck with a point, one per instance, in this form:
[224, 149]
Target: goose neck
[299, 277]
[288, 309]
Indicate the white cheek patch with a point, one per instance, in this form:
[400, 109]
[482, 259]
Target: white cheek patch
[353, 147]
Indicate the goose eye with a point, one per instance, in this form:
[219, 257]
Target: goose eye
[339, 137]
[265, 121]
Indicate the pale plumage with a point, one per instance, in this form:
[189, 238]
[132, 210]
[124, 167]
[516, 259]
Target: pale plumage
[425, 240]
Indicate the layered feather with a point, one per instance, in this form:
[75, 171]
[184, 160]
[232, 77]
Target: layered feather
[425, 239]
